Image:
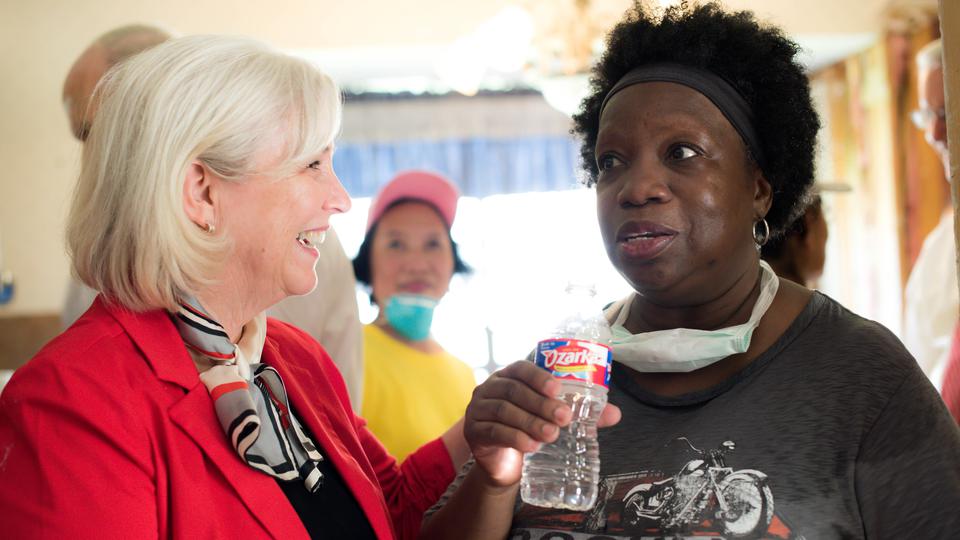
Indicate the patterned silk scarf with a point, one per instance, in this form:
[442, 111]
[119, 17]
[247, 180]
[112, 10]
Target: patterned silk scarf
[256, 417]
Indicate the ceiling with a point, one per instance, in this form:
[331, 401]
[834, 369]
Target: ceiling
[361, 39]
[422, 45]
[372, 23]
[464, 45]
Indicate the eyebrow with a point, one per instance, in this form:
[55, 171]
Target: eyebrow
[397, 233]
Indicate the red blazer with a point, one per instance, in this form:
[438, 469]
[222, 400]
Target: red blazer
[109, 433]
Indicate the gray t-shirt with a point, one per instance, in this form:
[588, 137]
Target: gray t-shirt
[834, 432]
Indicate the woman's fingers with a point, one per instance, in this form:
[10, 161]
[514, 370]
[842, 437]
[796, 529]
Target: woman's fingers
[516, 408]
[497, 435]
[513, 412]
[516, 392]
[609, 416]
[499, 423]
[538, 379]
[504, 413]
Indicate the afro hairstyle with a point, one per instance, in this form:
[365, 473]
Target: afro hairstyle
[757, 59]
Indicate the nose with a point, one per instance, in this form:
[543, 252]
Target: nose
[416, 262]
[642, 185]
[338, 200]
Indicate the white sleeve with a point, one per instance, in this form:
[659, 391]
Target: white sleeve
[931, 301]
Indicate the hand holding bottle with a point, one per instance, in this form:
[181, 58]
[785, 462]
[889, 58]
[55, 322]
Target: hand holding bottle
[514, 411]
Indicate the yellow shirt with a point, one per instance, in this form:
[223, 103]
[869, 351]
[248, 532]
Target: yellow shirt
[410, 397]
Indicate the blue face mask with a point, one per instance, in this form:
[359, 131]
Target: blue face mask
[411, 315]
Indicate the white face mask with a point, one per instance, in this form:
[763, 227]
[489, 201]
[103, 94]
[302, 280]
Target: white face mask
[685, 349]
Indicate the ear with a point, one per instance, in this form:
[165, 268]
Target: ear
[809, 218]
[197, 196]
[762, 194]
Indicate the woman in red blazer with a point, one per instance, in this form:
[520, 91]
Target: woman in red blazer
[173, 408]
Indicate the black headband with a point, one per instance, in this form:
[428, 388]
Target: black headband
[721, 93]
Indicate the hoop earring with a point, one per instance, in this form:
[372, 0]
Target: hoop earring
[763, 237]
[209, 228]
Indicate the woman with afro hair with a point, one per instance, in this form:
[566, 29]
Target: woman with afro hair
[741, 405]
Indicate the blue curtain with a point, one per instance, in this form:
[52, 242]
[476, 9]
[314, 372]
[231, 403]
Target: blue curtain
[479, 166]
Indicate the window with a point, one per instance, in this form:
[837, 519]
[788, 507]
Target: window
[523, 249]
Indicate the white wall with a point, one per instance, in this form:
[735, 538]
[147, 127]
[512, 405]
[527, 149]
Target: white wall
[41, 38]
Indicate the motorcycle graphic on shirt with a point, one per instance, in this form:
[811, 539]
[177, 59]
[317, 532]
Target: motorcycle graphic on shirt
[704, 489]
[704, 499]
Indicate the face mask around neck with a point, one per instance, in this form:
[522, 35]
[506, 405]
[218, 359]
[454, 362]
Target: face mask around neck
[681, 350]
[411, 315]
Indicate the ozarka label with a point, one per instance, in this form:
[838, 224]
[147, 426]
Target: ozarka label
[575, 359]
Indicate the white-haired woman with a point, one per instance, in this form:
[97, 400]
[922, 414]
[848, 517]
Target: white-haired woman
[174, 408]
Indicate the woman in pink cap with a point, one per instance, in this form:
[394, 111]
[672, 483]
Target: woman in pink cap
[414, 390]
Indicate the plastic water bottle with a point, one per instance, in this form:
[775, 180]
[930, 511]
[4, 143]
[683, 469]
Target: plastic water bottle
[566, 472]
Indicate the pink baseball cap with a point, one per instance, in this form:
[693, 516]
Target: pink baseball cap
[425, 186]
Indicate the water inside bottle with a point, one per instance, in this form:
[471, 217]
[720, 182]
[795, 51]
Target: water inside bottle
[565, 473]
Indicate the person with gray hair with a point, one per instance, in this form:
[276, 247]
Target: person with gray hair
[105, 52]
[329, 313]
[174, 407]
[931, 299]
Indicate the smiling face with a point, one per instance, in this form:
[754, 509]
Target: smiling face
[274, 225]
[676, 194]
[411, 253]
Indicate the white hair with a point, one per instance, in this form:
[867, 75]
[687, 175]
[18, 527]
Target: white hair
[930, 56]
[217, 100]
